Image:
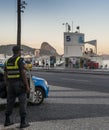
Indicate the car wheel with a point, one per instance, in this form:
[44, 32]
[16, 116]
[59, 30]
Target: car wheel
[39, 96]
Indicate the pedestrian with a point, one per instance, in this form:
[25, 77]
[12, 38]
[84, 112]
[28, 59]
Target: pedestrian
[47, 65]
[17, 86]
[74, 63]
[43, 63]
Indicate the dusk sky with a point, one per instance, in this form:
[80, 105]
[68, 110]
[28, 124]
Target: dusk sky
[42, 22]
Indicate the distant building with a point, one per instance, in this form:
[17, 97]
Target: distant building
[73, 44]
[75, 49]
[37, 52]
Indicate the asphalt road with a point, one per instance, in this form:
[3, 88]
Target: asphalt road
[87, 82]
[77, 101]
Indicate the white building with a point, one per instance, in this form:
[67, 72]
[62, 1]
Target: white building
[73, 44]
[75, 48]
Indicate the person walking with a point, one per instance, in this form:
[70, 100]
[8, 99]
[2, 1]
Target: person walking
[17, 86]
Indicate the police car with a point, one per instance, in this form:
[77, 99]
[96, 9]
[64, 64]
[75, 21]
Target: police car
[39, 88]
[1, 65]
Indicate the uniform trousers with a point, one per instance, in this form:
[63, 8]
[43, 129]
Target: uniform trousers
[16, 88]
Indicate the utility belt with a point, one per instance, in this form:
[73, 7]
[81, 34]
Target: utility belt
[18, 86]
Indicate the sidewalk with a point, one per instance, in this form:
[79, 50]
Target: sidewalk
[98, 123]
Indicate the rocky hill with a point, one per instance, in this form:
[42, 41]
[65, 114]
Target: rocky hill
[45, 49]
[7, 49]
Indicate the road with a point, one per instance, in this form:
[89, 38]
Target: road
[76, 102]
[79, 81]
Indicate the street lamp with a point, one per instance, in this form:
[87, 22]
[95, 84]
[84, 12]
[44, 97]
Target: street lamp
[20, 6]
[68, 28]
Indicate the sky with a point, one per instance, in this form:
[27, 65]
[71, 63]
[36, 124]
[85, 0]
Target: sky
[42, 21]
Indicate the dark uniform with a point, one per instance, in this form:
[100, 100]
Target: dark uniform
[15, 88]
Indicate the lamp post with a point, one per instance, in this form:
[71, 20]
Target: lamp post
[20, 6]
[66, 26]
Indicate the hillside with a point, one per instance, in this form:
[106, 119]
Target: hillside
[7, 49]
[45, 49]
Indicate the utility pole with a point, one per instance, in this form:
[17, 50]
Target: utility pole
[66, 26]
[20, 6]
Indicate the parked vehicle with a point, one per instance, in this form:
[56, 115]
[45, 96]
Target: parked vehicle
[1, 64]
[39, 88]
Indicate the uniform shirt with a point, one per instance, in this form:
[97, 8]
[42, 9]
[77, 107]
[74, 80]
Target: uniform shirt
[21, 63]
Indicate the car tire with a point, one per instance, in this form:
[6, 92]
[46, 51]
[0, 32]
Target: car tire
[39, 96]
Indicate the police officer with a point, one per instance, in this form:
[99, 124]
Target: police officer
[17, 86]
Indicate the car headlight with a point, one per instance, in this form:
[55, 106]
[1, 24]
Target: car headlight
[46, 82]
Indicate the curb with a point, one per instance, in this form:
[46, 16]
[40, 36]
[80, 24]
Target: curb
[80, 71]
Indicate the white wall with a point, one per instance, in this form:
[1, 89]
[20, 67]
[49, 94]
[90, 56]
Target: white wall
[73, 44]
[73, 51]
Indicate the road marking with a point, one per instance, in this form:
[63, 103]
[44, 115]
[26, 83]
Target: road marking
[80, 80]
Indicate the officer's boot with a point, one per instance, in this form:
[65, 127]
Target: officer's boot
[7, 121]
[23, 123]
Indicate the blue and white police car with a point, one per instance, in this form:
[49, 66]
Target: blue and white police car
[39, 88]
